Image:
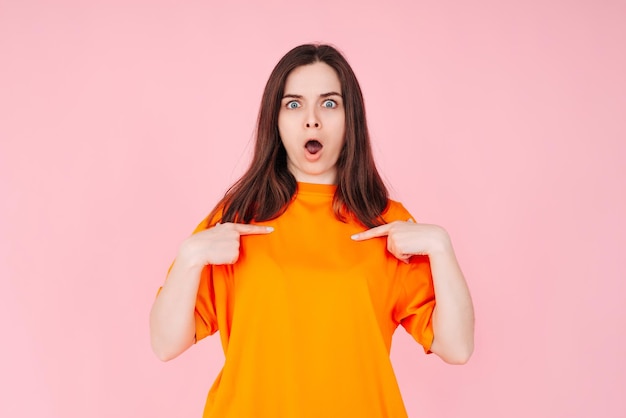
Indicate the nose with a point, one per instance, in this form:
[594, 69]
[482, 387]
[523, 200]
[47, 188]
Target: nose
[312, 120]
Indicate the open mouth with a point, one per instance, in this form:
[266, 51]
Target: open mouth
[313, 146]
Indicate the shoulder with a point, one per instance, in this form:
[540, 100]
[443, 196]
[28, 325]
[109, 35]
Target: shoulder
[395, 211]
[211, 219]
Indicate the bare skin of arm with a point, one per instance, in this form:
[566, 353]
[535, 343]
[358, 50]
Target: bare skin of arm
[172, 323]
[453, 316]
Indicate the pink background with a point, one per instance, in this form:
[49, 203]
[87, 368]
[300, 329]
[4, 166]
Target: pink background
[121, 124]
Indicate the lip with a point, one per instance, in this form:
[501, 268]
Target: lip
[314, 139]
[313, 157]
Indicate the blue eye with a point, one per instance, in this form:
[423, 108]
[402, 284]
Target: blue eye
[330, 104]
[293, 105]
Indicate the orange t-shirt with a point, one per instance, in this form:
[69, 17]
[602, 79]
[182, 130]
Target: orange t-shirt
[306, 316]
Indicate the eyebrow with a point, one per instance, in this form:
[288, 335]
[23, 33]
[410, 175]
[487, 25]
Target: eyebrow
[323, 95]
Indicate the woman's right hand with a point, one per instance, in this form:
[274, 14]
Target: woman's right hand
[217, 245]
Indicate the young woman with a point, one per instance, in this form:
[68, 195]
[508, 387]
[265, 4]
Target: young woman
[306, 267]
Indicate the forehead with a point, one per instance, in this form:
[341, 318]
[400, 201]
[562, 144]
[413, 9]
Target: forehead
[316, 78]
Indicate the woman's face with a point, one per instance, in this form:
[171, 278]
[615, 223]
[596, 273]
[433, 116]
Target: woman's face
[311, 123]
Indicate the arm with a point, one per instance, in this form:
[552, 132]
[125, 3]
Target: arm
[172, 319]
[172, 322]
[453, 316]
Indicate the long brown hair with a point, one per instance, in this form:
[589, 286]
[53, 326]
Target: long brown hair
[267, 187]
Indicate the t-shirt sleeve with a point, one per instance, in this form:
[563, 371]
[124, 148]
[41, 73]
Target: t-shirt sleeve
[204, 311]
[416, 301]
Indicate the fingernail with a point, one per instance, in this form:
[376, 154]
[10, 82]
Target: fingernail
[269, 228]
[355, 236]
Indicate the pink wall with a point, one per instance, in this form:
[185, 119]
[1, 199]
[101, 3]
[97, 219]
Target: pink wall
[122, 122]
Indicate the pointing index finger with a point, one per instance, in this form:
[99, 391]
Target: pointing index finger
[247, 229]
[377, 231]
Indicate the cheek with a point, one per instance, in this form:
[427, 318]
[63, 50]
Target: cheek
[286, 121]
[338, 125]
[281, 120]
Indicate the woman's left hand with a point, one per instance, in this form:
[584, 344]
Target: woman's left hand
[407, 238]
[453, 315]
